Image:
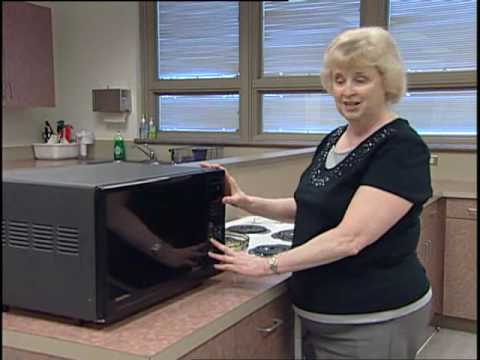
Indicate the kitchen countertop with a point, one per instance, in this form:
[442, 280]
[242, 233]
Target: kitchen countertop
[454, 189]
[171, 328]
[165, 331]
[19, 164]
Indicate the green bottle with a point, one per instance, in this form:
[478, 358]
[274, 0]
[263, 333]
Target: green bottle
[152, 130]
[118, 147]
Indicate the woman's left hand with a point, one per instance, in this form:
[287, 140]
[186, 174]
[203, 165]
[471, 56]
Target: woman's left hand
[239, 261]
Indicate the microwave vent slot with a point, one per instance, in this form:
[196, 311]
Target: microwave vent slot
[42, 236]
[18, 233]
[67, 240]
[4, 232]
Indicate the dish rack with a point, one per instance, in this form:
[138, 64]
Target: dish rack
[44, 151]
[195, 153]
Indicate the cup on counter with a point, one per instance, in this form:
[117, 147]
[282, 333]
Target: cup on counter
[85, 138]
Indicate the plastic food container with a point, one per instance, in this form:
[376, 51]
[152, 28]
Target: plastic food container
[56, 151]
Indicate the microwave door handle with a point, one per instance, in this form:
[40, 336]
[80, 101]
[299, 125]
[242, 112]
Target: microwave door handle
[133, 183]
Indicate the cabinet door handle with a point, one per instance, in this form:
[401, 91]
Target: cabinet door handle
[271, 328]
[10, 91]
[428, 246]
[472, 211]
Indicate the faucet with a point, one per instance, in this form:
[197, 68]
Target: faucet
[149, 152]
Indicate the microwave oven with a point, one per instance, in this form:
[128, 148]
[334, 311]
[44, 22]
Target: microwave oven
[98, 242]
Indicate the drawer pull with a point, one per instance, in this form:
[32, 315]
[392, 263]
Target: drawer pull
[472, 211]
[271, 328]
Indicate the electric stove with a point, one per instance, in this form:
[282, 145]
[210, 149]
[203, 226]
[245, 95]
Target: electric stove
[267, 237]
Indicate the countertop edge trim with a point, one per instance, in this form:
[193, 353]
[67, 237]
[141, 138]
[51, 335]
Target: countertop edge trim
[208, 332]
[62, 348]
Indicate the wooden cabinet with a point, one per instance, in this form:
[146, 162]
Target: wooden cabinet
[265, 334]
[430, 249]
[460, 279]
[27, 56]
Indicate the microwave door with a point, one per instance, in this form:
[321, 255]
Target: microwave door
[138, 216]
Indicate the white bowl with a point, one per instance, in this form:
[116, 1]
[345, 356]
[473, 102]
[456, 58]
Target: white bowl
[44, 151]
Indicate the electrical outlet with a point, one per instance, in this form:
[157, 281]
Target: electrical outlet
[433, 160]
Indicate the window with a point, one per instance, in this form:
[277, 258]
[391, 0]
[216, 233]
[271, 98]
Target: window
[304, 113]
[252, 75]
[445, 29]
[438, 40]
[214, 113]
[295, 33]
[440, 112]
[185, 32]
[192, 78]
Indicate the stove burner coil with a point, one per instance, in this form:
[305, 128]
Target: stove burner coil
[268, 250]
[285, 235]
[248, 229]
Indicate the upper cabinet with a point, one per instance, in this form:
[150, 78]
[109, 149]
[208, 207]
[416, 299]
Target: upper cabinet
[27, 56]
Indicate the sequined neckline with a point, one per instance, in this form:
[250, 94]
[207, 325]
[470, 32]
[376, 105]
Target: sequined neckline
[320, 175]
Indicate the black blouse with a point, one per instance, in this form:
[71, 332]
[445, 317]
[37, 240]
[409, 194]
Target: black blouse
[386, 274]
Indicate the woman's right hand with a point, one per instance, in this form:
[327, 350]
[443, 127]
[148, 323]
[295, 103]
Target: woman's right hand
[233, 194]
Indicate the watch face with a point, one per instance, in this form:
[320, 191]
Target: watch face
[156, 247]
[273, 263]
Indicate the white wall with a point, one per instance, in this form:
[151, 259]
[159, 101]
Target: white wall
[96, 44]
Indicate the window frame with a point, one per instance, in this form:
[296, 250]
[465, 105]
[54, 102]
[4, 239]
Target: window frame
[250, 84]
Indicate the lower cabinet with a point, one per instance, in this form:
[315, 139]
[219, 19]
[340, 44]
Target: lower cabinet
[460, 279]
[430, 250]
[265, 334]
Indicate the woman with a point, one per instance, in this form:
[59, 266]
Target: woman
[357, 284]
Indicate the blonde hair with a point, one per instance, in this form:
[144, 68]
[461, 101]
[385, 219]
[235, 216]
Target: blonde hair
[367, 46]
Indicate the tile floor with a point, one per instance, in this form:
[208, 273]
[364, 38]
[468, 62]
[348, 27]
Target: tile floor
[450, 344]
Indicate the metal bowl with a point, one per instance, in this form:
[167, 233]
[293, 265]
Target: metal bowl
[236, 241]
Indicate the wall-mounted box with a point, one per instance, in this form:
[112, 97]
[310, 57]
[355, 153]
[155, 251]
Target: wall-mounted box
[111, 100]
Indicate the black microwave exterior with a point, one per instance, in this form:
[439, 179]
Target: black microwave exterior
[54, 238]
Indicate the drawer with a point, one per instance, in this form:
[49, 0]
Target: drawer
[462, 208]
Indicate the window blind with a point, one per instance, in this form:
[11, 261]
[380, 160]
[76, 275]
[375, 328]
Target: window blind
[214, 113]
[197, 39]
[299, 113]
[446, 112]
[296, 33]
[440, 112]
[435, 35]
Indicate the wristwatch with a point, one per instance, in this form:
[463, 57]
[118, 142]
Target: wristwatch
[155, 248]
[273, 264]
